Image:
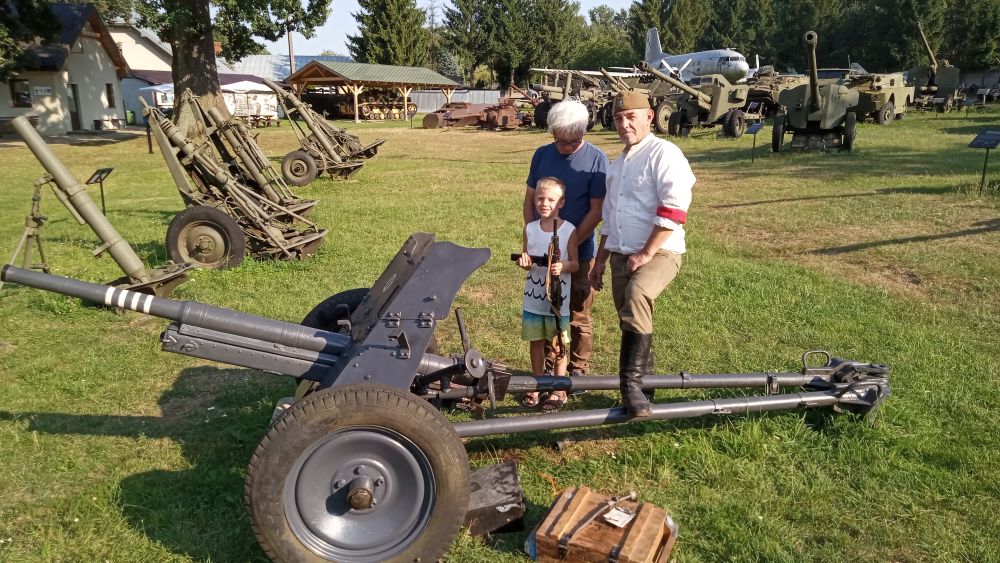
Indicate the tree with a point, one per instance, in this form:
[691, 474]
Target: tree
[680, 23]
[643, 15]
[21, 21]
[744, 25]
[606, 41]
[465, 34]
[389, 32]
[971, 33]
[189, 28]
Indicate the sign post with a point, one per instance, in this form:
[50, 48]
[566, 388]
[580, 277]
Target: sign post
[985, 140]
[98, 178]
[753, 129]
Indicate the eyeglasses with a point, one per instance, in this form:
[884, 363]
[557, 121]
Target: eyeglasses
[568, 143]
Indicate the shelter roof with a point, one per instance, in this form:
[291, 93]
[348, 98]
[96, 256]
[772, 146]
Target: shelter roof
[276, 67]
[72, 19]
[330, 73]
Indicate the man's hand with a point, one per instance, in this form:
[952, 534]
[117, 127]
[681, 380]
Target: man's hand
[597, 275]
[638, 260]
[524, 262]
[556, 268]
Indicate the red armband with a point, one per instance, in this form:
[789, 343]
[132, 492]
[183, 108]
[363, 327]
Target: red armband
[672, 213]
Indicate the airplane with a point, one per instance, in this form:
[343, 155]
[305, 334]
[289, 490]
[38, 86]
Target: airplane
[726, 62]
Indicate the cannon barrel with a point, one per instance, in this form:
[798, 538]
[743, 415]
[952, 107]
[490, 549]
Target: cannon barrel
[811, 40]
[704, 100]
[309, 117]
[76, 196]
[927, 45]
[616, 84]
[185, 312]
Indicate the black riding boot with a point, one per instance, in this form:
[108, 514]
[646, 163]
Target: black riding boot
[632, 363]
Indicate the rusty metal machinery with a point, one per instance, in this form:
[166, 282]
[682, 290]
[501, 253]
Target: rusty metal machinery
[322, 146]
[227, 217]
[358, 467]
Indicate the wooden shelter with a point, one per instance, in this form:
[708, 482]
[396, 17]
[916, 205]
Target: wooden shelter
[354, 78]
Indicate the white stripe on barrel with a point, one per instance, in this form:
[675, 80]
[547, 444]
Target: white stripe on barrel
[108, 296]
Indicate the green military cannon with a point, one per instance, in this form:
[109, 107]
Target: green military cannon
[937, 84]
[817, 113]
[709, 100]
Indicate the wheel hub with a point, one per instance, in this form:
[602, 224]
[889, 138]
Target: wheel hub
[205, 244]
[361, 493]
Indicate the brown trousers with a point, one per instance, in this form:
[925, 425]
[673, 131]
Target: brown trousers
[635, 292]
[581, 297]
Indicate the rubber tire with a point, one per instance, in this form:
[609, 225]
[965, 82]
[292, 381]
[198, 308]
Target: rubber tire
[227, 229]
[778, 134]
[542, 115]
[735, 124]
[674, 124]
[661, 117]
[608, 116]
[298, 168]
[886, 115]
[850, 130]
[393, 411]
[594, 115]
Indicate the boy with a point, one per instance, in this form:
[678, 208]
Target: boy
[539, 322]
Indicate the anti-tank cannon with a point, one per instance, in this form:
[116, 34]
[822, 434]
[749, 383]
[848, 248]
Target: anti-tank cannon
[361, 467]
[816, 113]
[708, 101]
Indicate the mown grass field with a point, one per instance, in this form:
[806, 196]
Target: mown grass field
[111, 450]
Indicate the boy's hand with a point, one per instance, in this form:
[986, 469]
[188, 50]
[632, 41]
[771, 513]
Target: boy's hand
[524, 262]
[556, 268]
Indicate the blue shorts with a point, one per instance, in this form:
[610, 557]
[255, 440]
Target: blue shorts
[542, 327]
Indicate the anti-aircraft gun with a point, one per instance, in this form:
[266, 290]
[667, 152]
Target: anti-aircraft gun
[323, 148]
[710, 100]
[362, 466]
[817, 114]
[936, 85]
[558, 85]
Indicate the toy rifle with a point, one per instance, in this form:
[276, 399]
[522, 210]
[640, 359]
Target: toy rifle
[553, 288]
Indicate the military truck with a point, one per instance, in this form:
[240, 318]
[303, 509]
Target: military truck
[937, 84]
[709, 100]
[817, 113]
[881, 97]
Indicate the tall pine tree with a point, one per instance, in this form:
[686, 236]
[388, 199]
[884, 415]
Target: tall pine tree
[389, 32]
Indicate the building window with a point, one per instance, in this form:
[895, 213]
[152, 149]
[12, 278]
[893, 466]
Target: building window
[109, 90]
[20, 93]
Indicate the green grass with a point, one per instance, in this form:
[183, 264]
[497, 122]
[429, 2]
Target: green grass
[112, 450]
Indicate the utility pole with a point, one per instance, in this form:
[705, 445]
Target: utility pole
[291, 52]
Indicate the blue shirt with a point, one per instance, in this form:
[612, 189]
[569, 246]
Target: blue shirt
[584, 173]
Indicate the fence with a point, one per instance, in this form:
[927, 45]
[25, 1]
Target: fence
[430, 100]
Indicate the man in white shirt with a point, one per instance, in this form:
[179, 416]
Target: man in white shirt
[644, 211]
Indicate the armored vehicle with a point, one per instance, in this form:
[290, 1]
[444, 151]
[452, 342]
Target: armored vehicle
[937, 84]
[882, 97]
[817, 113]
[765, 88]
[708, 101]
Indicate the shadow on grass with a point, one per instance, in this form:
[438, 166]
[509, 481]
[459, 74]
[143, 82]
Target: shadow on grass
[978, 228]
[195, 512]
[881, 191]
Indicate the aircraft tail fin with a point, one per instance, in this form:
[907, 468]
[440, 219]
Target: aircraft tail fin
[654, 49]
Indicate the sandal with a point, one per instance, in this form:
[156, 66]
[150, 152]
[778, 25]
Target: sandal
[554, 402]
[530, 400]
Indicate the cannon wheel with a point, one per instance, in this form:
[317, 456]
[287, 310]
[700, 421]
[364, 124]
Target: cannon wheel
[207, 238]
[674, 124]
[358, 442]
[885, 115]
[298, 168]
[850, 130]
[735, 124]
[778, 133]
[661, 117]
[542, 115]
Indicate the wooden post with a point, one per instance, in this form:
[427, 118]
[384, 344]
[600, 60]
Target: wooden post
[356, 89]
[448, 93]
[405, 92]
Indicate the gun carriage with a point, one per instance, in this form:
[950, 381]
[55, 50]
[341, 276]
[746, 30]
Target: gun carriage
[235, 203]
[362, 466]
[817, 113]
[558, 85]
[322, 148]
[937, 84]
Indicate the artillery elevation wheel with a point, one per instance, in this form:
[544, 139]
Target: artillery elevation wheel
[885, 115]
[298, 168]
[207, 238]
[850, 130]
[358, 473]
[778, 133]
[661, 117]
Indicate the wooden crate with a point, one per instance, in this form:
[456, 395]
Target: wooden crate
[648, 538]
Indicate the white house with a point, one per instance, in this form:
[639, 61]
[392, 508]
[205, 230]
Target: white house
[74, 83]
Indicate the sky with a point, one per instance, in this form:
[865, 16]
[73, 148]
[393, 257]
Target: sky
[333, 35]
